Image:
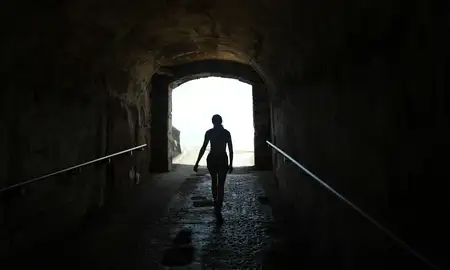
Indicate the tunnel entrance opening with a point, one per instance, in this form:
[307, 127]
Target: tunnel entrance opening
[165, 81]
[195, 102]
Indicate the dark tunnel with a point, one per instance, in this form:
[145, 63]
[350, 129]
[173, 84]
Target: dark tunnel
[354, 91]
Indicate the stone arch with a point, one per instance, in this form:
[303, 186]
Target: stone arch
[169, 77]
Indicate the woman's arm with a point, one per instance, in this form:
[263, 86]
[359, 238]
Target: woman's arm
[230, 150]
[202, 151]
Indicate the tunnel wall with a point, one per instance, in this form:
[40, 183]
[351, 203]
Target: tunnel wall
[160, 141]
[46, 129]
[175, 143]
[372, 122]
[52, 123]
[262, 126]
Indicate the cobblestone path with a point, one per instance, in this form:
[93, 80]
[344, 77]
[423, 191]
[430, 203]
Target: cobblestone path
[236, 244]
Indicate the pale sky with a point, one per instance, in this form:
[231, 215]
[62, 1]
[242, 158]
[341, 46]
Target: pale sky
[195, 102]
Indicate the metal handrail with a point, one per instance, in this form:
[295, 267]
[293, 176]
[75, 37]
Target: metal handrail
[367, 216]
[140, 147]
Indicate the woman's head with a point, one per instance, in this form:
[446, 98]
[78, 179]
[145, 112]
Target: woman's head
[217, 120]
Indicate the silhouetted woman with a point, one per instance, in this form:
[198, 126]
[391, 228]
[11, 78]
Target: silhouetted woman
[217, 160]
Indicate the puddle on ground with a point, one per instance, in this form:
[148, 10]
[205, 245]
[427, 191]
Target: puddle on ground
[203, 203]
[198, 198]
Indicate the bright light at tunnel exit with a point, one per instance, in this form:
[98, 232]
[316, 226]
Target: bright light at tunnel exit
[196, 101]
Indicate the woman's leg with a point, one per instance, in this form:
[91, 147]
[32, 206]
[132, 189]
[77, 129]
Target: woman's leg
[213, 184]
[222, 175]
[213, 172]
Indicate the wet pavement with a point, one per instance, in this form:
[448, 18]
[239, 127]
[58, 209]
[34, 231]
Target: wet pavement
[236, 244]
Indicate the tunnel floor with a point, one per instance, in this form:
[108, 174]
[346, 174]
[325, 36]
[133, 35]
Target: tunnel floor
[170, 224]
[235, 244]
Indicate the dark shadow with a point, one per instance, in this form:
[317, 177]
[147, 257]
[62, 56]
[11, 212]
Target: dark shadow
[211, 251]
[178, 256]
[182, 251]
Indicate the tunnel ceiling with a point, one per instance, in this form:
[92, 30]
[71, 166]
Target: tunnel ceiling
[277, 38]
[182, 73]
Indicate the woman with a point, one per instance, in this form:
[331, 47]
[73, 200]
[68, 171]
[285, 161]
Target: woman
[217, 160]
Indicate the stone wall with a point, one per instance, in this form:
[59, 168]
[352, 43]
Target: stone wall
[50, 130]
[377, 131]
[165, 145]
[262, 126]
[51, 124]
[175, 143]
[129, 111]
[160, 141]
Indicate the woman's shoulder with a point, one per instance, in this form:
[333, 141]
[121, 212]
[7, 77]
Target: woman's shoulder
[217, 131]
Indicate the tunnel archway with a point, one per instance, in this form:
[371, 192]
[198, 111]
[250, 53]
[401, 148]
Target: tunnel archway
[169, 77]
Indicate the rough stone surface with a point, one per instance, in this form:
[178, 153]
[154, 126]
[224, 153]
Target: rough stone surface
[175, 143]
[161, 114]
[262, 125]
[235, 244]
[377, 142]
